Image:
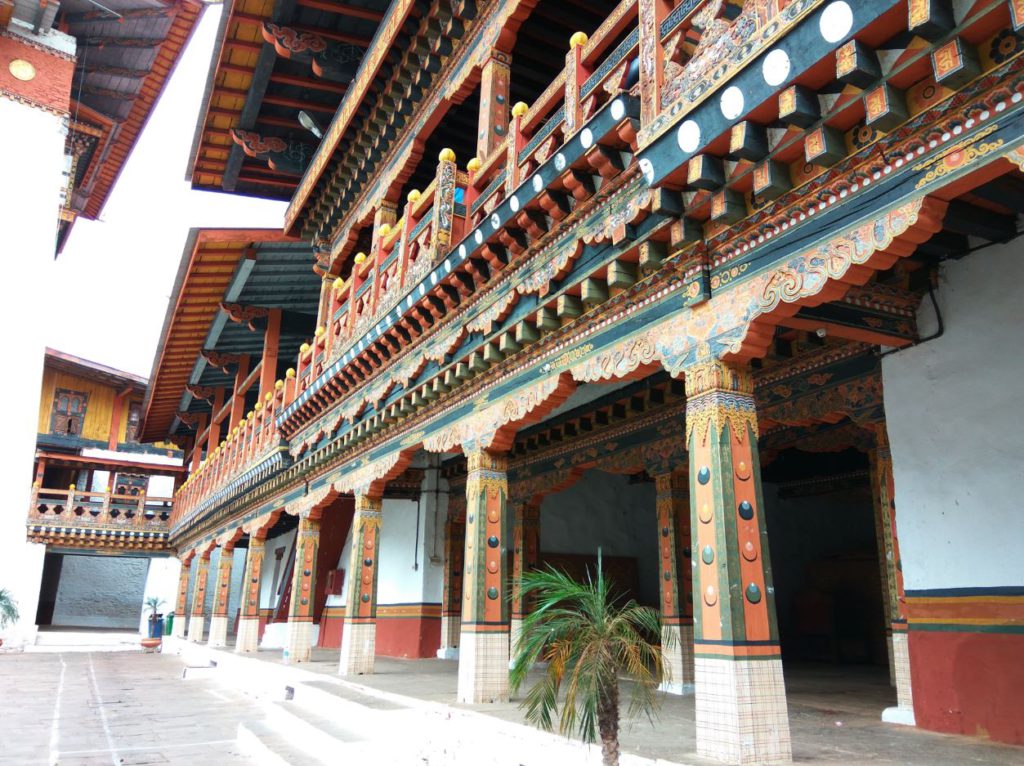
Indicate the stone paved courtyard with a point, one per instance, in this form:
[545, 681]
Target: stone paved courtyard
[85, 708]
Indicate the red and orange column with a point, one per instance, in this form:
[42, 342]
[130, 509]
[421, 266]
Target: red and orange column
[741, 710]
[676, 580]
[484, 643]
[451, 595]
[249, 621]
[299, 639]
[181, 605]
[359, 635]
[895, 598]
[525, 557]
[196, 625]
[219, 620]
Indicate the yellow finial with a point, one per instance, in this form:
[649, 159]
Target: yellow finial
[36, 484]
[339, 283]
[279, 385]
[473, 165]
[520, 109]
[578, 39]
[385, 229]
[71, 487]
[269, 395]
[446, 155]
[289, 373]
[413, 196]
[360, 257]
[303, 348]
[319, 331]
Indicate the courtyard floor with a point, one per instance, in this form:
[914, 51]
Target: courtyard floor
[79, 709]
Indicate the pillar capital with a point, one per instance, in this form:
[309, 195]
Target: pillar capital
[479, 459]
[719, 395]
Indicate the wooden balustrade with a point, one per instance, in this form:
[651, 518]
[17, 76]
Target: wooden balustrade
[72, 508]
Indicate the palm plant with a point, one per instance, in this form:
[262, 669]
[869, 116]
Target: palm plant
[589, 637]
[153, 603]
[8, 608]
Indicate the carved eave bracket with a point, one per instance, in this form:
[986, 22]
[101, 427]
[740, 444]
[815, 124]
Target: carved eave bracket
[284, 155]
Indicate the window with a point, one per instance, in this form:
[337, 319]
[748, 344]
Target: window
[68, 412]
[134, 415]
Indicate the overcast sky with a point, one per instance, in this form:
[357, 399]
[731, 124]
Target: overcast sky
[114, 278]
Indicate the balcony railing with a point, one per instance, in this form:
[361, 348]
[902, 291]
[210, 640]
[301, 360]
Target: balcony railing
[398, 281]
[247, 445]
[70, 508]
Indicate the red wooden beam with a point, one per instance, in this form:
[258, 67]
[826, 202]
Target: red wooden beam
[343, 9]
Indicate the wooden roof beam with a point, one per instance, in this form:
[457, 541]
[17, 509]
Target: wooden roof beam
[343, 9]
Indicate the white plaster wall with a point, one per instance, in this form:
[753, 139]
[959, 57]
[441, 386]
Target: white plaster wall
[955, 414]
[100, 591]
[604, 510]
[268, 585]
[161, 582]
[410, 567]
[32, 169]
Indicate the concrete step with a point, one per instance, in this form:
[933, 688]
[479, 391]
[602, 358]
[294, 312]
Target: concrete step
[318, 735]
[265, 745]
[339, 701]
[85, 641]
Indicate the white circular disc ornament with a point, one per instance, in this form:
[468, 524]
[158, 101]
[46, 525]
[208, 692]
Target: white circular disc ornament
[836, 21]
[732, 102]
[776, 66]
[689, 136]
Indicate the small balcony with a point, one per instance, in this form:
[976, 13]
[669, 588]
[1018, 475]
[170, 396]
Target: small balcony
[98, 519]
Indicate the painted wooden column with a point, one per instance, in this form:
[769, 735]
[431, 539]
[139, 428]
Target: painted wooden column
[741, 710]
[451, 595]
[238, 395]
[675, 580]
[298, 642]
[181, 606]
[484, 643]
[271, 348]
[248, 636]
[494, 106]
[895, 601]
[196, 625]
[221, 596]
[525, 558]
[359, 634]
[443, 211]
[652, 56]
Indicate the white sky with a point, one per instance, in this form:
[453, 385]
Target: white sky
[114, 278]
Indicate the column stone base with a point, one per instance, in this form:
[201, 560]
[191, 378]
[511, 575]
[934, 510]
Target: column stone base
[903, 713]
[358, 647]
[451, 627]
[180, 624]
[297, 643]
[677, 659]
[483, 667]
[741, 711]
[516, 630]
[892, 660]
[195, 628]
[248, 636]
[218, 631]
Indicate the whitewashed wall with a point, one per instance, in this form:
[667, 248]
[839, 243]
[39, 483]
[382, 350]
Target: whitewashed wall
[162, 583]
[100, 591]
[605, 510]
[32, 169]
[955, 412]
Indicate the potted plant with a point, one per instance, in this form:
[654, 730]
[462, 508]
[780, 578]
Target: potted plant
[154, 639]
[8, 610]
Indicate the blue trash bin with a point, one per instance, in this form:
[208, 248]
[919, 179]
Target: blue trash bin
[156, 627]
